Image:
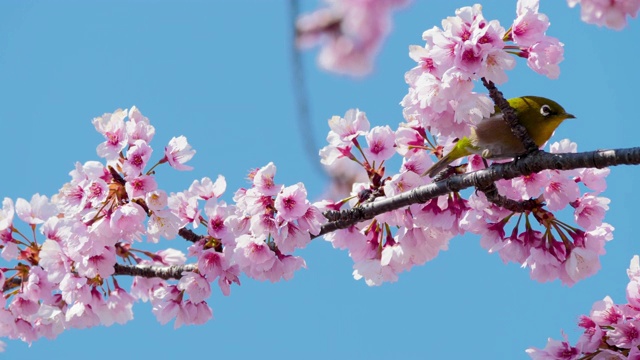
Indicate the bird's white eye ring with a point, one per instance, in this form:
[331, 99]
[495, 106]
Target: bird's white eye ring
[545, 110]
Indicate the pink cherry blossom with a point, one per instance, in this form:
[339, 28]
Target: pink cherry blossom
[529, 27]
[494, 67]
[137, 157]
[94, 191]
[625, 335]
[263, 180]
[217, 212]
[544, 56]
[23, 307]
[353, 124]
[49, 321]
[253, 256]
[127, 220]
[351, 32]
[38, 287]
[590, 210]
[36, 211]
[581, 263]
[166, 303]
[112, 127]
[24, 331]
[331, 154]
[193, 313]
[633, 293]
[417, 163]
[543, 264]
[283, 267]
[212, 263]
[81, 316]
[291, 202]
[606, 313]
[207, 189]
[227, 277]
[6, 214]
[138, 187]
[156, 200]
[594, 179]
[634, 268]
[373, 272]
[402, 182]
[555, 350]
[530, 186]
[162, 223]
[291, 237]
[196, 286]
[139, 127]
[612, 14]
[10, 249]
[560, 191]
[381, 142]
[120, 305]
[312, 220]
[171, 257]
[185, 207]
[262, 225]
[408, 141]
[144, 288]
[178, 152]
[592, 337]
[100, 264]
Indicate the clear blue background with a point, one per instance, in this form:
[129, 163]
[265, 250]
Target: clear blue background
[219, 72]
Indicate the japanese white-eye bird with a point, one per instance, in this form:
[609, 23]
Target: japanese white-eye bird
[492, 137]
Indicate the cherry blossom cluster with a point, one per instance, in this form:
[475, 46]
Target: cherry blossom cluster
[396, 241]
[558, 250]
[612, 14]
[351, 32]
[467, 48]
[91, 228]
[611, 331]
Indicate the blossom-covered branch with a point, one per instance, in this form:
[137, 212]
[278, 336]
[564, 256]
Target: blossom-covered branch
[154, 271]
[481, 179]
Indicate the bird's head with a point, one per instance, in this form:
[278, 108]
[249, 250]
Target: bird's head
[541, 116]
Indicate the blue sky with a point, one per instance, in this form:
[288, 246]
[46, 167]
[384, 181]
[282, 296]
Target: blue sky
[219, 72]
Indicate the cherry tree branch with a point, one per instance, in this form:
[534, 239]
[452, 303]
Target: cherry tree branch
[492, 194]
[189, 235]
[151, 271]
[480, 179]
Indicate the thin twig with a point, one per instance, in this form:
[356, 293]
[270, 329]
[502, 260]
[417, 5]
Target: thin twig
[300, 89]
[518, 130]
[189, 235]
[492, 194]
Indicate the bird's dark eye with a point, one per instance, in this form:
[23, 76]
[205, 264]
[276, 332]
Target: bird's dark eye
[545, 110]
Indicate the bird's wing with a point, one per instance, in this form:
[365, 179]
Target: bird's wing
[494, 135]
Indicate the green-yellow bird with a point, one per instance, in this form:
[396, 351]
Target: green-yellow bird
[492, 137]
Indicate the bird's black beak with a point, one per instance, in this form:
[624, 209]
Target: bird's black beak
[570, 116]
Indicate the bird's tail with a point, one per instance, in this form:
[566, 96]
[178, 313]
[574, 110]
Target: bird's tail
[461, 149]
[439, 166]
